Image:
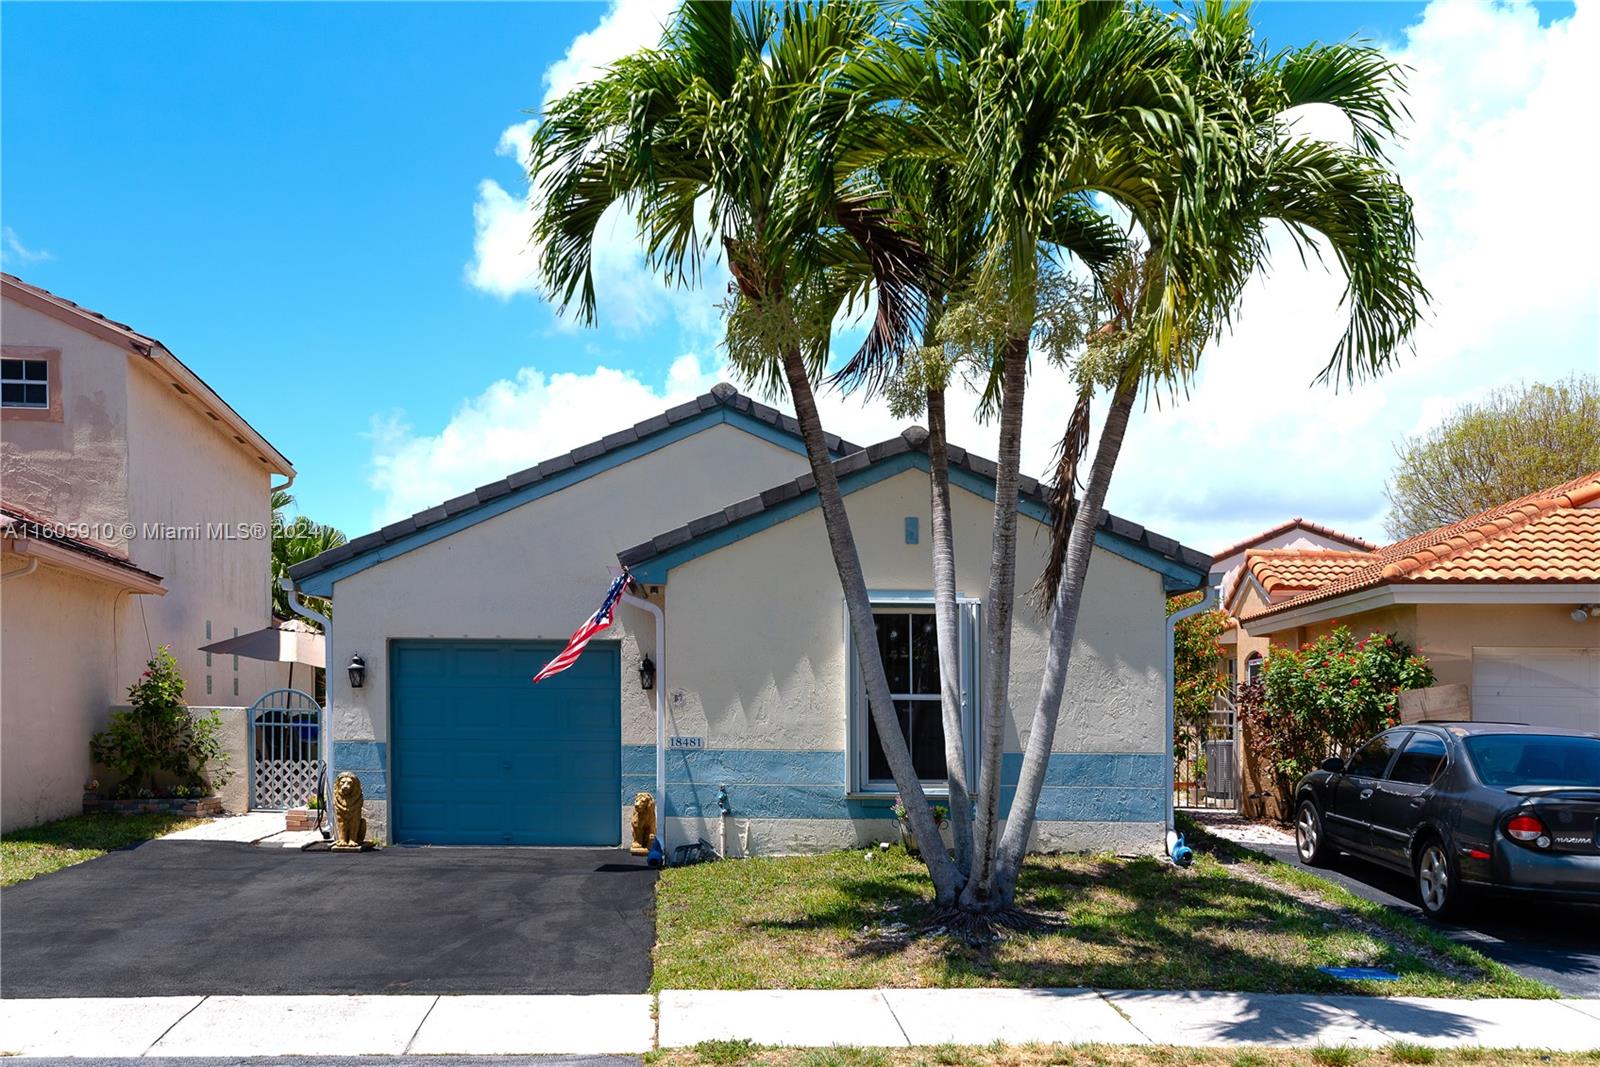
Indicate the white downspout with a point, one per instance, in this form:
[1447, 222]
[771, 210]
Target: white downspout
[325, 730]
[661, 715]
[1206, 603]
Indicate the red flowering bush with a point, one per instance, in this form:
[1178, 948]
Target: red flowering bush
[1325, 698]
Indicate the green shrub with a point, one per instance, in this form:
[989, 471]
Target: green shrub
[158, 736]
[1325, 698]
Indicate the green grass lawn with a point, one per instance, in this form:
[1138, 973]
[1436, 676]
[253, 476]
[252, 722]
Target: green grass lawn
[744, 1054]
[830, 921]
[51, 846]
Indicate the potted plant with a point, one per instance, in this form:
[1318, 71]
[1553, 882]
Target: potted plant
[940, 815]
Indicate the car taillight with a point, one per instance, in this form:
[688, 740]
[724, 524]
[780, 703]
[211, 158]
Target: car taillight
[1527, 828]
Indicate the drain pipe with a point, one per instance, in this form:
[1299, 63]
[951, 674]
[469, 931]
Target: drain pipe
[325, 727]
[1179, 852]
[661, 715]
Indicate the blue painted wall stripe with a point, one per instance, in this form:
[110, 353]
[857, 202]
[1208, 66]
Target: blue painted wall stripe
[796, 784]
[370, 762]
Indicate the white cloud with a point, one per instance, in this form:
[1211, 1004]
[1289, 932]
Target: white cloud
[14, 249]
[1500, 179]
[514, 424]
[1507, 222]
[631, 297]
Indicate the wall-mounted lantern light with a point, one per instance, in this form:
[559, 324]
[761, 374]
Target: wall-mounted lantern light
[358, 671]
[647, 673]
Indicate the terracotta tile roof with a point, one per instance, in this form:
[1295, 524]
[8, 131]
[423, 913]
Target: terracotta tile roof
[1285, 570]
[1295, 523]
[1552, 535]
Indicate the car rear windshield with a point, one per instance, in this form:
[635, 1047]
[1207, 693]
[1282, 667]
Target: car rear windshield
[1505, 760]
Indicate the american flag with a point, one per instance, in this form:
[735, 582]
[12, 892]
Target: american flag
[591, 626]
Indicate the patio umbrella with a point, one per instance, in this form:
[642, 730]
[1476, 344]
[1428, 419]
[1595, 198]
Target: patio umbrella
[289, 644]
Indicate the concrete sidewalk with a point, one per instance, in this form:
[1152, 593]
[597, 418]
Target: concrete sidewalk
[230, 1026]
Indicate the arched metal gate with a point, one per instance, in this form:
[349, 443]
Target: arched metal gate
[284, 739]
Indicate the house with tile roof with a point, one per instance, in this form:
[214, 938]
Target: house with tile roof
[135, 512]
[1504, 603]
[726, 687]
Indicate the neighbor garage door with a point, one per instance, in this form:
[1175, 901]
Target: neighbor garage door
[1538, 686]
[482, 756]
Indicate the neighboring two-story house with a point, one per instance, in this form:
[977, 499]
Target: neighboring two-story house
[135, 509]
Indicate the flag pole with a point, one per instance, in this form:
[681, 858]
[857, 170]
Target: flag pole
[661, 715]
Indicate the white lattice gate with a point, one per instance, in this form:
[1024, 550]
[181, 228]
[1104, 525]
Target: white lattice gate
[285, 743]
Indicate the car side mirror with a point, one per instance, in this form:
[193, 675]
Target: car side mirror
[1333, 765]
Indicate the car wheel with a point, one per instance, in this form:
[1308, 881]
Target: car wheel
[1438, 882]
[1309, 837]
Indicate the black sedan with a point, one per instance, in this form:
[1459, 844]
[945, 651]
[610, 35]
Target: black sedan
[1461, 807]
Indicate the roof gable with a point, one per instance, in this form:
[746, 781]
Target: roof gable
[1549, 536]
[723, 405]
[1182, 568]
[1296, 523]
[153, 355]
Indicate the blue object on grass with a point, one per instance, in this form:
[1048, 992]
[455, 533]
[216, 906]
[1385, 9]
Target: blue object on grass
[1182, 854]
[655, 857]
[1357, 974]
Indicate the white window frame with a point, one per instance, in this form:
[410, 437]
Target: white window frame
[857, 716]
[25, 381]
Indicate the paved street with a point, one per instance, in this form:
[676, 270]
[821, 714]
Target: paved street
[170, 918]
[1558, 944]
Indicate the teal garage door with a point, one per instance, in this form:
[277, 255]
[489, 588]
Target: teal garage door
[482, 756]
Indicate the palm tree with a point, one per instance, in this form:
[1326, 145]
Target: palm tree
[743, 110]
[1326, 196]
[295, 541]
[1035, 109]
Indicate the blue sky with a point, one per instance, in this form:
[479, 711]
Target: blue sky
[285, 195]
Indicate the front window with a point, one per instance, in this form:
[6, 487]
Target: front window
[1505, 760]
[1252, 668]
[908, 641]
[909, 644]
[24, 383]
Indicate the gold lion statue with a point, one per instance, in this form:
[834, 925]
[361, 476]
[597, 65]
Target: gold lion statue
[644, 823]
[349, 824]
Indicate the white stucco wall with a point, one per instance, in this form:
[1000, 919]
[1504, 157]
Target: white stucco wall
[536, 571]
[756, 650]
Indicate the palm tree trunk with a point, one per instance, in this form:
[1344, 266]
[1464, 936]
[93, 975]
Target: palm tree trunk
[948, 623]
[847, 560]
[1063, 630]
[997, 619]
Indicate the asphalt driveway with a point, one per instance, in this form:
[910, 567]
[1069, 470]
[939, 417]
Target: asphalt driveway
[177, 917]
[1555, 943]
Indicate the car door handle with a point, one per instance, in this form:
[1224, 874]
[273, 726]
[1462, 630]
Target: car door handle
[1366, 794]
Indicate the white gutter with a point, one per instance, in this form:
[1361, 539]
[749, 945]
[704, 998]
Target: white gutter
[1206, 603]
[325, 727]
[33, 565]
[661, 715]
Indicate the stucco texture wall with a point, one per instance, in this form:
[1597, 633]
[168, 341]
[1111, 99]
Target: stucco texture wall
[757, 661]
[532, 573]
[74, 470]
[184, 471]
[57, 657]
[1447, 633]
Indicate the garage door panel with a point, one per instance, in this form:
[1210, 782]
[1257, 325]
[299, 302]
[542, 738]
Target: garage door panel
[1539, 686]
[482, 756]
